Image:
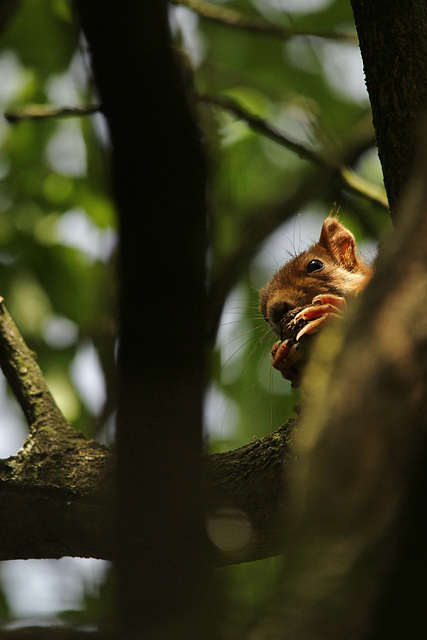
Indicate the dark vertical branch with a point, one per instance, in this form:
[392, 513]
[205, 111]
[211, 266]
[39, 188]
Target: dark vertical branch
[393, 42]
[160, 186]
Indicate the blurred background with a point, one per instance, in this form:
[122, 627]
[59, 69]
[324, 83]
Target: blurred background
[58, 232]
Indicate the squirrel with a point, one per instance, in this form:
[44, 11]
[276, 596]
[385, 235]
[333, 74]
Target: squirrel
[310, 290]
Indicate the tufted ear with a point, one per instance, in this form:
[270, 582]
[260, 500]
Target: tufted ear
[339, 242]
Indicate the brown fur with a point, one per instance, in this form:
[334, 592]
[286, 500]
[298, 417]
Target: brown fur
[344, 274]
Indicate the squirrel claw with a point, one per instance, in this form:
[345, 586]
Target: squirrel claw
[322, 309]
[316, 324]
[280, 351]
[284, 357]
[286, 354]
[329, 298]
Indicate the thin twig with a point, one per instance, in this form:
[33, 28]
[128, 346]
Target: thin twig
[234, 19]
[43, 112]
[350, 180]
[260, 125]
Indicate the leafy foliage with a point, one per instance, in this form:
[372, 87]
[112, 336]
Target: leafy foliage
[57, 231]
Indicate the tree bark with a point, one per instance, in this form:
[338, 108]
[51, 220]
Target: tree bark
[246, 490]
[393, 43]
[57, 493]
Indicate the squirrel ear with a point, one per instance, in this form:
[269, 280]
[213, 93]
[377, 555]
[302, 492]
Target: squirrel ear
[339, 242]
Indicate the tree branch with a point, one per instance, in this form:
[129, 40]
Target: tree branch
[349, 180]
[43, 520]
[26, 379]
[58, 482]
[235, 20]
[47, 111]
[56, 493]
[247, 490]
[64, 507]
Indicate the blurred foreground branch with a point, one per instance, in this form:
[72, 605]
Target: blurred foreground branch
[358, 491]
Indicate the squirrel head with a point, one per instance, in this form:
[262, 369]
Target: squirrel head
[331, 265]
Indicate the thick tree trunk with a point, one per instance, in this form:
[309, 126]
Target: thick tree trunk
[393, 43]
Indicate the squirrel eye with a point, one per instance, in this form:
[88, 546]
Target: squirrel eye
[314, 265]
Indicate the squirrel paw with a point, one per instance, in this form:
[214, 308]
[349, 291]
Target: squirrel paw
[289, 355]
[285, 354]
[322, 309]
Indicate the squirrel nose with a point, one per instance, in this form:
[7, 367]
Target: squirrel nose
[277, 310]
